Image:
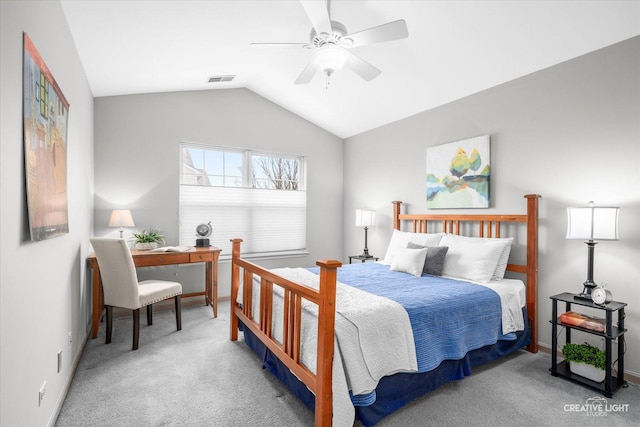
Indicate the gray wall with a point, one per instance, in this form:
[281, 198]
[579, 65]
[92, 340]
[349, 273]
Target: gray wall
[43, 288]
[570, 133]
[138, 163]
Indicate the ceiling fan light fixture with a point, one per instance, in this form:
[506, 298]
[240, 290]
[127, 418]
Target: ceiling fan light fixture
[330, 58]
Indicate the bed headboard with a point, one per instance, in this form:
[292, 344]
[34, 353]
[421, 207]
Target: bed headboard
[489, 226]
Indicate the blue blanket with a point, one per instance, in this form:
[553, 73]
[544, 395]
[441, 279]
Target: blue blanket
[449, 317]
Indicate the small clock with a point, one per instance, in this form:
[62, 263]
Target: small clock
[601, 296]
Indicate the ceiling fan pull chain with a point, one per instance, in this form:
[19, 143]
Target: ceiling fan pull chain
[328, 73]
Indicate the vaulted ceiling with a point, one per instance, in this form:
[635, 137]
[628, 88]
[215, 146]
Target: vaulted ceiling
[454, 49]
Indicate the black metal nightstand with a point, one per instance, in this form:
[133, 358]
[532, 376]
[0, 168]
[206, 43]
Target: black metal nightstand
[610, 334]
[363, 258]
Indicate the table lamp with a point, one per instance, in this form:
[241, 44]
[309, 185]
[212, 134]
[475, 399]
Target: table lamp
[365, 219]
[591, 223]
[121, 218]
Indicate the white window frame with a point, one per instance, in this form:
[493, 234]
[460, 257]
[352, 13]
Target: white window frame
[286, 210]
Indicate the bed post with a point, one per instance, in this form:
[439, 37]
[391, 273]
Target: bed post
[235, 284]
[532, 268]
[326, 332]
[396, 214]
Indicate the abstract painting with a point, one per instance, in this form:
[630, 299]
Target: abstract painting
[458, 174]
[45, 118]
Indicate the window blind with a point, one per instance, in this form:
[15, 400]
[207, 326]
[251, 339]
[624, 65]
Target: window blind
[268, 221]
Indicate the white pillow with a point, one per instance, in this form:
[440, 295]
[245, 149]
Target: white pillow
[409, 261]
[501, 268]
[471, 258]
[399, 240]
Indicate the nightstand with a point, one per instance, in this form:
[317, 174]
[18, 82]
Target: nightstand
[363, 258]
[610, 334]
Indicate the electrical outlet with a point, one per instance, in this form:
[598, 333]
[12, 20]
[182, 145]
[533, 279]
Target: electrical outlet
[41, 393]
[59, 361]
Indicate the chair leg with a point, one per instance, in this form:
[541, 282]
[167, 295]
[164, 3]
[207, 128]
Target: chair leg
[150, 314]
[136, 328]
[109, 324]
[178, 312]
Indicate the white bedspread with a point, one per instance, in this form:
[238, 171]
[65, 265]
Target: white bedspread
[513, 298]
[373, 339]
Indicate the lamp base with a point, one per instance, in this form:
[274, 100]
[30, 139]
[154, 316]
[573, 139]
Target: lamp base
[365, 253]
[582, 297]
[585, 295]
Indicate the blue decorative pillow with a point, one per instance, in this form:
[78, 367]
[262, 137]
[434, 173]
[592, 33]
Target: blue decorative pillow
[434, 262]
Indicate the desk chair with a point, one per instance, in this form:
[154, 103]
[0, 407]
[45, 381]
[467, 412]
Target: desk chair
[121, 287]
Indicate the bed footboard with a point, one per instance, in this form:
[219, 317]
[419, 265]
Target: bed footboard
[289, 350]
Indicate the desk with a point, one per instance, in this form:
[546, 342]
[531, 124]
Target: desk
[208, 256]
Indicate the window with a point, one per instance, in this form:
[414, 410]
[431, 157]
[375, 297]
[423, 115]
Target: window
[258, 197]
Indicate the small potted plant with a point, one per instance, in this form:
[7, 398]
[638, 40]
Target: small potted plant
[585, 360]
[150, 239]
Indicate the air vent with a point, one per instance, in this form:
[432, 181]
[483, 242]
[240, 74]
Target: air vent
[220, 79]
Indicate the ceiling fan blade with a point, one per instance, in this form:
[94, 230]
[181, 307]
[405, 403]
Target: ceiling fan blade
[361, 67]
[391, 31]
[307, 74]
[279, 45]
[318, 15]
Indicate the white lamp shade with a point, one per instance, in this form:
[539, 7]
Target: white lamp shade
[592, 223]
[365, 218]
[121, 218]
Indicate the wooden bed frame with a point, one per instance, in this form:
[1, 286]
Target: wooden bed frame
[288, 352]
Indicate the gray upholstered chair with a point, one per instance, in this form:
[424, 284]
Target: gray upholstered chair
[121, 287]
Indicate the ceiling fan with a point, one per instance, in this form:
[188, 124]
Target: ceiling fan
[330, 42]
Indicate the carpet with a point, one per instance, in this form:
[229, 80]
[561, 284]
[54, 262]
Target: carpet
[197, 377]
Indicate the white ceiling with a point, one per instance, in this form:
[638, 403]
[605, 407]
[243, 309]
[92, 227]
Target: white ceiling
[454, 49]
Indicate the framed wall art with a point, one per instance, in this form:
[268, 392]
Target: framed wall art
[45, 118]
[458, 174]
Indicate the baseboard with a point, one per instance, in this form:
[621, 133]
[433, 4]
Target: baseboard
[630, 376]
[67, 386]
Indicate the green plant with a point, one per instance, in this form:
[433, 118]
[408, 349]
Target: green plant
[585, 353]
[144, 236]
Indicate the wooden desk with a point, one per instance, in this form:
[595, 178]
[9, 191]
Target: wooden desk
[208, 256]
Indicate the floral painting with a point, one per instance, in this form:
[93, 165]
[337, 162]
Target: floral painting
[45, 116]
[458, 174]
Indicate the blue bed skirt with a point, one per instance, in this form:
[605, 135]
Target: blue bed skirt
[396, 390]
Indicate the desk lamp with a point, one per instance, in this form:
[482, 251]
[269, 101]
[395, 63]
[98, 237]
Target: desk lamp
[121, 218]
[591, 223]
[365, 219]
